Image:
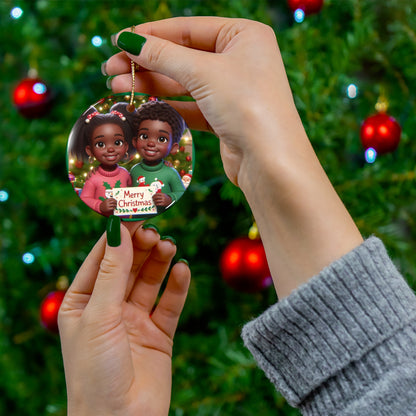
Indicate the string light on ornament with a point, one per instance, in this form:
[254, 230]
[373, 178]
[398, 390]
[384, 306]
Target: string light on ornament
[50, 305]
[243, 264]
[380, 133]
[303, 8]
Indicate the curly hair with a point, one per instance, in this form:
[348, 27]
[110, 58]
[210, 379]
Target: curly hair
[159, 110]
[81, 134]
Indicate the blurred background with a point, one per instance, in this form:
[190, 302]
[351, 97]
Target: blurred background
[347, 61]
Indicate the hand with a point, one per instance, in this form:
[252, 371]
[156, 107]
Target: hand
[117, 350]
[219, 62]
[161, 200]
[234, 71]
[108, 206]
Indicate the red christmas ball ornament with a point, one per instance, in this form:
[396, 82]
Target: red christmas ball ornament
[49, 309]
[32, 98]
[188, 158]
[244, 265]
[380, 132]
[308, 6]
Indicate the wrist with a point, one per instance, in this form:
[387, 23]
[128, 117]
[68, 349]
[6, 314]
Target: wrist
[303, 224]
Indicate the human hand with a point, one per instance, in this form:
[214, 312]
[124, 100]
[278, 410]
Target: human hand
[117, 349]
[233, 70]
[108, 206]
[161, 200]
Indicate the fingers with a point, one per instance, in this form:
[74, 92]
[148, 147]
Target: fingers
[199, 32]
[81, 288]
[146, 82]
[144, 239]
[114, 271]
[167, 312]
[147, 285]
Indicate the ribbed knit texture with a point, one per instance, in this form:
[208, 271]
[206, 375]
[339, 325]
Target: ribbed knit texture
[345, 342]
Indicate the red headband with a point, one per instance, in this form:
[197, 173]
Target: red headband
[96, 113]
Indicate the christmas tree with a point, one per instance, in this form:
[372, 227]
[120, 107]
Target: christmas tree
[341, 60]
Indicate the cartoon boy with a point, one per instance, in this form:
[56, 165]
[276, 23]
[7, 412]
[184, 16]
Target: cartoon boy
[159, 129]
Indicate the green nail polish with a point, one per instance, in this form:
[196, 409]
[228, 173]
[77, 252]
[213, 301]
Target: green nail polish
[183, 261]
[108, 82]
[131, 42]
[150, 227]
[113, 231]
[104, 69]
[169, 238]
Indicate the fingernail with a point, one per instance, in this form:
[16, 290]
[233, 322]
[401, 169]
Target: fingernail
[113, 231]
[108, 82]
[150, 227]
[104, 68]
[131, 42]
[183, 261]
[114, 39]
[168, 238]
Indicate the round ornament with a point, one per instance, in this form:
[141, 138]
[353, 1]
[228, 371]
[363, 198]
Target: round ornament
[307, 6]
[122, 156]
[244, 265]
[49, 309]
[380, 132]
[32, 98]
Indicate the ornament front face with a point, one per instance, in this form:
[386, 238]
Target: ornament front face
[133, 161]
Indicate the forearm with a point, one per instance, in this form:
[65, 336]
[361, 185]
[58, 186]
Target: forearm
[303, 223]
[343, 343]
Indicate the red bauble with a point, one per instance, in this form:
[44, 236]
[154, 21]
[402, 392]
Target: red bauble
[79, 164]
[49, 310]
[308, 6]
[380, 132]
[244, 265]
[32, 98]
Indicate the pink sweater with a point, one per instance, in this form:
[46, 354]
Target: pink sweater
[95, 187]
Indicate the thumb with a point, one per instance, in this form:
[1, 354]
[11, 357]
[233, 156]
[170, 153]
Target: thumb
[180, 63]
[113, 274]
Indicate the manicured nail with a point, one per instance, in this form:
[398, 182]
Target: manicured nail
[150, 227]
[168, 238]
[113, 231]
[108, 82]
[131, 42]
[104, 68]
[183, 261]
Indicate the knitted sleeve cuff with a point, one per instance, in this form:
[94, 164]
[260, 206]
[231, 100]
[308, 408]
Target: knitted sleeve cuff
[335, 319]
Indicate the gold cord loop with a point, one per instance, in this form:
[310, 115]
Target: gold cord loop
[131, 106]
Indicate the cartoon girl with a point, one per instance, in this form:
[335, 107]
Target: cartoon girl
[105, 138]
[159, 130]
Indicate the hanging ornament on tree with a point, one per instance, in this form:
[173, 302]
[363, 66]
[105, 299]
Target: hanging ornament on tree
[244, 265]
[50, 305]
[306, 7]
[380, 133]
[32, 97]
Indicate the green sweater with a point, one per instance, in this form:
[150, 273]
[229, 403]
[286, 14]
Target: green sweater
[158, 175]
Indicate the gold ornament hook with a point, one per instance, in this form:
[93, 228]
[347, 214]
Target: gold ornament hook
[131, 106]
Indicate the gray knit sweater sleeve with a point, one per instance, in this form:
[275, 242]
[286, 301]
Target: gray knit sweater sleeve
[345, 342]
